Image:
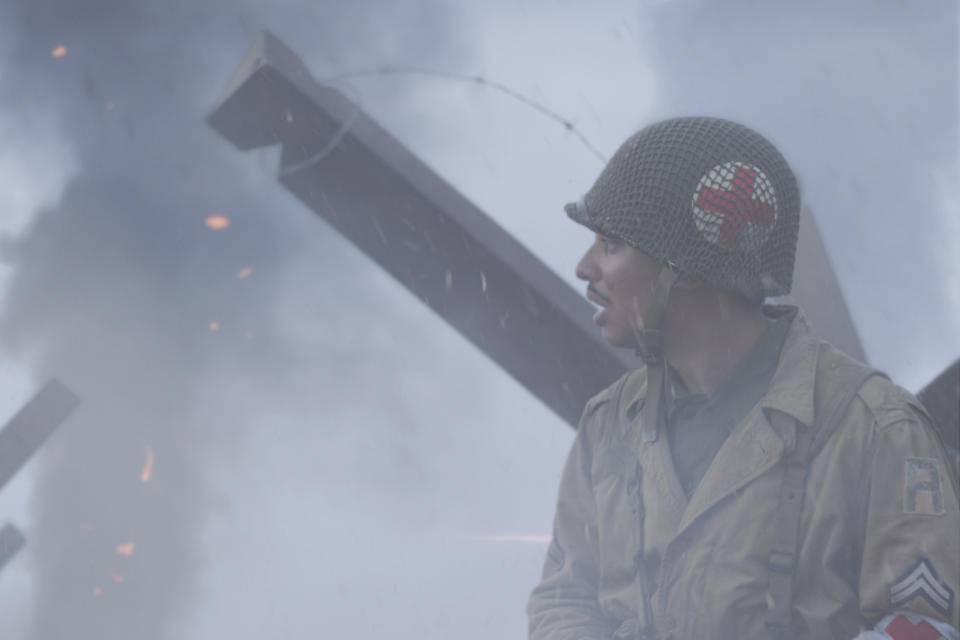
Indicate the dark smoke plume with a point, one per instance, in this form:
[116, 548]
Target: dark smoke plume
[122, 291]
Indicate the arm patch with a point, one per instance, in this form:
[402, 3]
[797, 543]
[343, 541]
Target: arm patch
[922, 487]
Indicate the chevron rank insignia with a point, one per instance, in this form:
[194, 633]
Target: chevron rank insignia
[921, 581]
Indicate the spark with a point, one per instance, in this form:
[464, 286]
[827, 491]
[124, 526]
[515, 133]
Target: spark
[248, 335]
[510, 537]
[59, 51]
[243, 273]
[217, 222]
[126, 549]
[97, 592]
[214, 326]
[147, 470]
[116, 577]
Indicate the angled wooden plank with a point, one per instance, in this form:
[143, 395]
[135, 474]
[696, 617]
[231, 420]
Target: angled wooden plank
[32, 425]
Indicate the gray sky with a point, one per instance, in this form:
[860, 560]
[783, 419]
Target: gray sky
[323, 459]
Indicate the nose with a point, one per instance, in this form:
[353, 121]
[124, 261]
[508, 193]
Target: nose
[587, 267]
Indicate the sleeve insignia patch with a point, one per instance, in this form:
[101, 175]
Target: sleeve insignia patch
[921, 581]
[922, 493]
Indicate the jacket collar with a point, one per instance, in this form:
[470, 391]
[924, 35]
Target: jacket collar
[792, 385]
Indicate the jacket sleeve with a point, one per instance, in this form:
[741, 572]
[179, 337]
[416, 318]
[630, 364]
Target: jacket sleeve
[564, 605]
[910, 561]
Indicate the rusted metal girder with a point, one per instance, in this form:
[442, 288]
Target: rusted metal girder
[440, 246]
[33, 424]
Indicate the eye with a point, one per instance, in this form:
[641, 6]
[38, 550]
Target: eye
[608, 244]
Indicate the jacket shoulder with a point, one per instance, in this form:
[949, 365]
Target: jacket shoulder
[631, 385]
[885, 403]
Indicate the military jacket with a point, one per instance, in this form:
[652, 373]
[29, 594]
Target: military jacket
[879, 528]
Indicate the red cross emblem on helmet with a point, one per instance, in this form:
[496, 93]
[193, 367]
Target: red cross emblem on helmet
[735, 206]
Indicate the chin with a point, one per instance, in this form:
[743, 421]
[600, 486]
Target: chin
[615, 339]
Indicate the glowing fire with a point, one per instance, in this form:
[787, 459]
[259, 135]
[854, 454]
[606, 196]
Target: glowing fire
[243, 273]
[116, 577]
[217, 221]
[147, 470]
[126, 549]
[214, 326]
[59, 51]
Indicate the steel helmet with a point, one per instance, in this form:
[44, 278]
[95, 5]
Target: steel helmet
[711, 198]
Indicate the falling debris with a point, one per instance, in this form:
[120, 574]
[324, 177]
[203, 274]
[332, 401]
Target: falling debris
[59, 51]
[483, 282]
[448, 279]
[214, 326]
[217, 222]
[147, 470]
[243, 273]
[126, 549]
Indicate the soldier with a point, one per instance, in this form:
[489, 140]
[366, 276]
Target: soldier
[750, 481]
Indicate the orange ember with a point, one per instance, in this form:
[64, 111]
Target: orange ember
[147, 470]
[97, 592]
[217, 221]
[116, 577]
[126, 549]
[59, 51]
[214, 326]
[243, 273]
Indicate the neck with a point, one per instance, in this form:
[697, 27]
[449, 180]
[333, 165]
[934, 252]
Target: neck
[707, 333]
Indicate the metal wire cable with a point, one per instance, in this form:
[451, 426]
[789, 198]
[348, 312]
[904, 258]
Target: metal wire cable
[479, 80]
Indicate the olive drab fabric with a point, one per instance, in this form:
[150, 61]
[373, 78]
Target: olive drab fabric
[878, 530]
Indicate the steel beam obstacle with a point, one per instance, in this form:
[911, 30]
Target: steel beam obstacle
[447, 252]
[19, 440]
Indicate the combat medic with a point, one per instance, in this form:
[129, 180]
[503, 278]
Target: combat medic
[750, 481]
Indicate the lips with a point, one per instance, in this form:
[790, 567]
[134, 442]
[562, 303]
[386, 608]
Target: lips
[598, 298]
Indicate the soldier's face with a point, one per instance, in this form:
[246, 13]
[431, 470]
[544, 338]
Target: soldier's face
[621, 281]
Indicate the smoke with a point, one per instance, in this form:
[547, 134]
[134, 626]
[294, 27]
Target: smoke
[862, 99]
[119, 288]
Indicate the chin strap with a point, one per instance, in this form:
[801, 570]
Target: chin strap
[650, 350]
